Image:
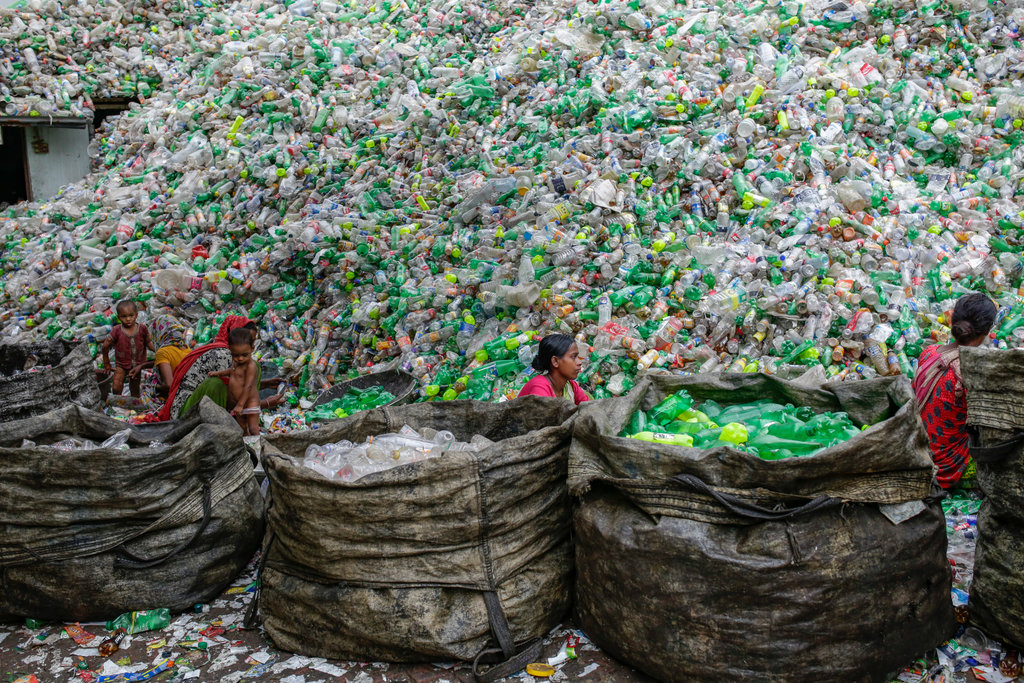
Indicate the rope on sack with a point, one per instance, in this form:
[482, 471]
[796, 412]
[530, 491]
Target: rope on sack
[748, 510]
[129, 560]
[996, 453]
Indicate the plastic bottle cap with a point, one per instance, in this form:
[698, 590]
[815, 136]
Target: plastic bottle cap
[540, 670]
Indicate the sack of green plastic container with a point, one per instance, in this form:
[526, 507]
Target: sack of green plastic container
[994, 381]
[712, 564]
[99, 518]
[447, 558]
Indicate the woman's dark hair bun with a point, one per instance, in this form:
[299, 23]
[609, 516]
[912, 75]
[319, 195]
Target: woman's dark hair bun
[973, 316]
[963, 331]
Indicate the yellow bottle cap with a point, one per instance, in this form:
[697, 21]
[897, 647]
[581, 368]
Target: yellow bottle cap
[541, 670]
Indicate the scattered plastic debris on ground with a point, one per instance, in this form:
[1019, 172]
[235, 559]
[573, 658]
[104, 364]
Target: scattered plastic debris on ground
[209, 644]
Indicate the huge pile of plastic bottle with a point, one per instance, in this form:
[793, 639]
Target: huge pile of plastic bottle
[432, 184]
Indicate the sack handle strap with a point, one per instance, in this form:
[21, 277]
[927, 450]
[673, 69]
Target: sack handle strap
[513, 661]
[996, 453]
[499, 623]
[529, 653]
[742, 508]
[135, 562]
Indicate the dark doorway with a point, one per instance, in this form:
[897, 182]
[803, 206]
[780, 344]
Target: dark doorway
[107, 107]
[13, 180]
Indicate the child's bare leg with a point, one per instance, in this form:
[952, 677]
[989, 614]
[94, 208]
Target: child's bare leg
[117, 384]
[251, 414]
[254, 424]
[135, 385]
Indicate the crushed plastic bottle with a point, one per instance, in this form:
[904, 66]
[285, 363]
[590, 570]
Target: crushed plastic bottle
[138, 622]
[699, 188]
[347, 461]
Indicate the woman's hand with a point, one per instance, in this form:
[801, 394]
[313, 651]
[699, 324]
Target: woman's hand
[272, 401]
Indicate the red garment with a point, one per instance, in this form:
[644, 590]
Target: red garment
[541, 386]
[945, 417]
[219, 342]
[122, 343]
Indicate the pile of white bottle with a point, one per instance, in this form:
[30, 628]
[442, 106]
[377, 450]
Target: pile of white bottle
[347, 461]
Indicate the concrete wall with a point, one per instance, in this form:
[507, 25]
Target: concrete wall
[66, 162]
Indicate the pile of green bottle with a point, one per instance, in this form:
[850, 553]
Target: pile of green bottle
[352, 401]
[769, 430]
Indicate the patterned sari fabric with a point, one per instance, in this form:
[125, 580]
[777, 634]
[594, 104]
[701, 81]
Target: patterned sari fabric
[213, 360]
[943, 404]
[168, 331]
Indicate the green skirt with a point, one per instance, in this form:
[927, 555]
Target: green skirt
[216, 390]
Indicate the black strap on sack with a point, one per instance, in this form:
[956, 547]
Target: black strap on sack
[511, 666]
[742, 508]
[996, 453]
[132, 561]
[512, 660]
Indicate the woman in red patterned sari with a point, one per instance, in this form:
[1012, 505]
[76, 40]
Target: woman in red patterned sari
[940, 391]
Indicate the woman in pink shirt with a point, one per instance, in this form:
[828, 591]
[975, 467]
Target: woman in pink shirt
[559, 359]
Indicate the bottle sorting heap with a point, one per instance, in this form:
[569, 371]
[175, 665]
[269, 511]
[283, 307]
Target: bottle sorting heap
[347, 461]
[354, 400]
[699, 187]
[769, 430]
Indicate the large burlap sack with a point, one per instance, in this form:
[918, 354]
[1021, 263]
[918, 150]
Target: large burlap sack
[440, 559]
[994, 381]
[68, 379]
[715, 565]
[90, 534]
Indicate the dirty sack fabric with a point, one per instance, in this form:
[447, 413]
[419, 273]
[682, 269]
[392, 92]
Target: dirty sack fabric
[69, 379]
[994, 381]
[90, 534]
[711, 565]
[439, 559]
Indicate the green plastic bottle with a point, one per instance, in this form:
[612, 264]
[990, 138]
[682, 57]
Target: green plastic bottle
[665, 438]
[137, 622]
[670, 408]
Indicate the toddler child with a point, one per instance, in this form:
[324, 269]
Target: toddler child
[243, 393]
[130, 340]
